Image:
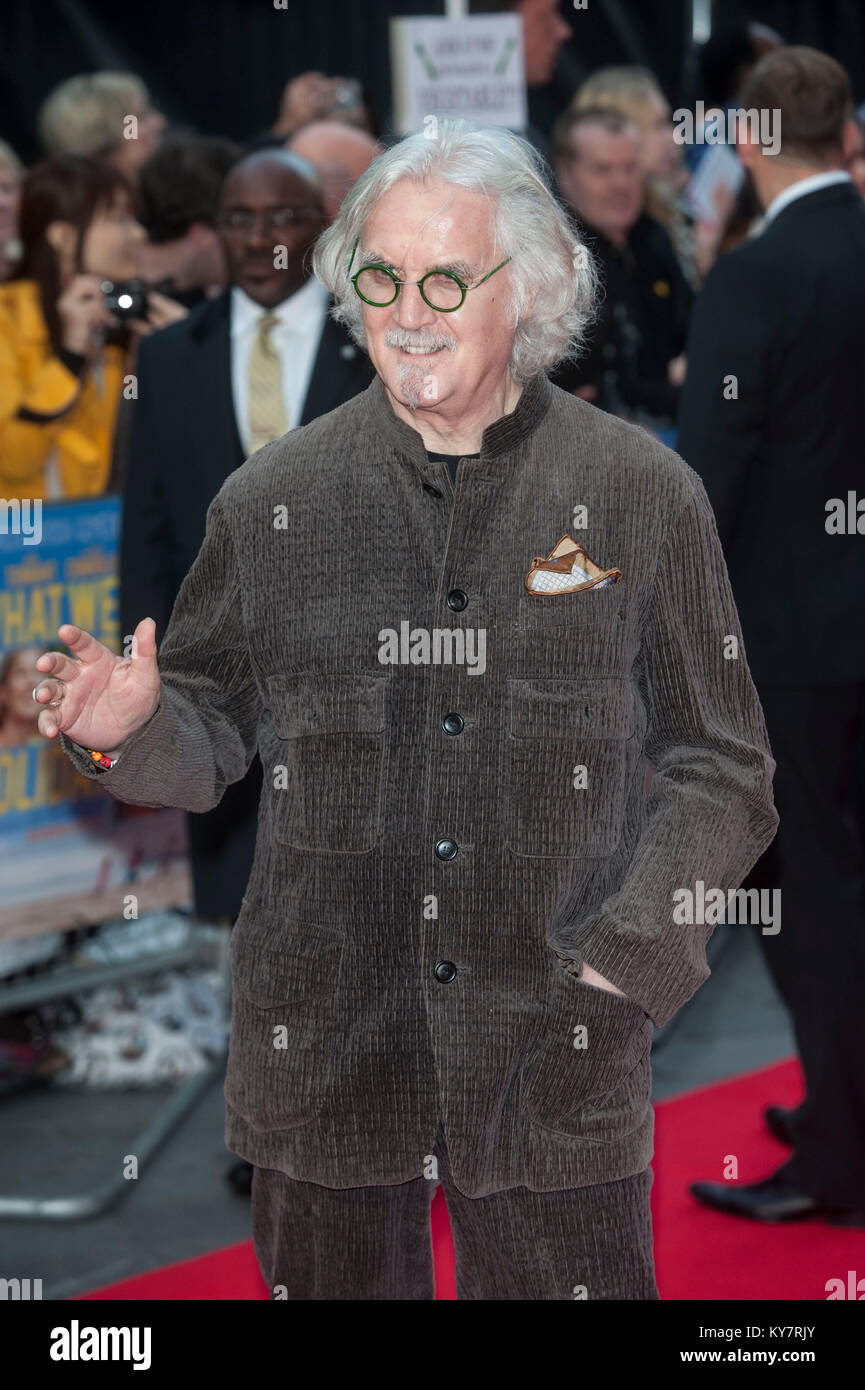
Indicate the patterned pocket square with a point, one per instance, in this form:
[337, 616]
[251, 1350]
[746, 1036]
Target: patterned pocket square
[567, 569]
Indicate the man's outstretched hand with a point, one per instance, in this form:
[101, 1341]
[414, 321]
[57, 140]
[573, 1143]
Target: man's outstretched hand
[101, 698]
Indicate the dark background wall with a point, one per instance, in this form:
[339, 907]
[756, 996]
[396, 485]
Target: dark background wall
[220, 65]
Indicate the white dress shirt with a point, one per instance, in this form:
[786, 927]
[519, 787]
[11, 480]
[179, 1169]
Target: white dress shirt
[800, 190]
[296, 336]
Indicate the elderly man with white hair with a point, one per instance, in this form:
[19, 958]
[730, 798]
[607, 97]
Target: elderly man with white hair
[455, 616]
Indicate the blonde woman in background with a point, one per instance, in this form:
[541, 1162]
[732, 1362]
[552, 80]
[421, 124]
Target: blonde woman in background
[106, 116]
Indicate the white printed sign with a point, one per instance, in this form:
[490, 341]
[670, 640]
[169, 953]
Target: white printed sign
[458, 67]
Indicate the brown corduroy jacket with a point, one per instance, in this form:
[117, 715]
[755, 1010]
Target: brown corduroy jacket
[454, 793]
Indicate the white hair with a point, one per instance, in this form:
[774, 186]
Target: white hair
[530, 225]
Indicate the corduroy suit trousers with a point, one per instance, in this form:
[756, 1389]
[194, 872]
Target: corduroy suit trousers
[361, 1243]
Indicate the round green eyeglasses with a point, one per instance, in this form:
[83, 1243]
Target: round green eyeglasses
[379, 285]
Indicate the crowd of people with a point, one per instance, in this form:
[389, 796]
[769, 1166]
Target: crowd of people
[133, 251]
[122, 199]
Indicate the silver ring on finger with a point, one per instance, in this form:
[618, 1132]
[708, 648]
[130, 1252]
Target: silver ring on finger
[51, 704]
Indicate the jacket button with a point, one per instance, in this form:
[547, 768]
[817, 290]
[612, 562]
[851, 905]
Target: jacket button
[453, 723]
[433, 490]
[445, 971]
[447, 849]
[458, 600]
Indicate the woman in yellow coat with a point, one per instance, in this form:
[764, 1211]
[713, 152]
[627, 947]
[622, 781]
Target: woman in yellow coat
[63, 356]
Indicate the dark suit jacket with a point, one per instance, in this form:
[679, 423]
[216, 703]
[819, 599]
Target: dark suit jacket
[642, 324]
[184, 444]
[398, 956]
[784, 314]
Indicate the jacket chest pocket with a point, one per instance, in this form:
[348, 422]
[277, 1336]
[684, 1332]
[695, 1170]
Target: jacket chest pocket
[602, 609]
[331, 761]
[565, 763]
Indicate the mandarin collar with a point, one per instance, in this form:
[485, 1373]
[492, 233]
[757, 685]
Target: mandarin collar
[500, 437]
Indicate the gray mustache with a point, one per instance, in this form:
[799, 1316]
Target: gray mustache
[403, 340]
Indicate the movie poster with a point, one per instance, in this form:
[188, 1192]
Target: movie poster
[68, 850]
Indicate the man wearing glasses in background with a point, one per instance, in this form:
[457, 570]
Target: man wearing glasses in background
[455, 617]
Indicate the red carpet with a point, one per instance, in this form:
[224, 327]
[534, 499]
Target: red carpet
[700, 1254]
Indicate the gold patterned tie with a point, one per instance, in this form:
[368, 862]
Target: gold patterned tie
[266, 406]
